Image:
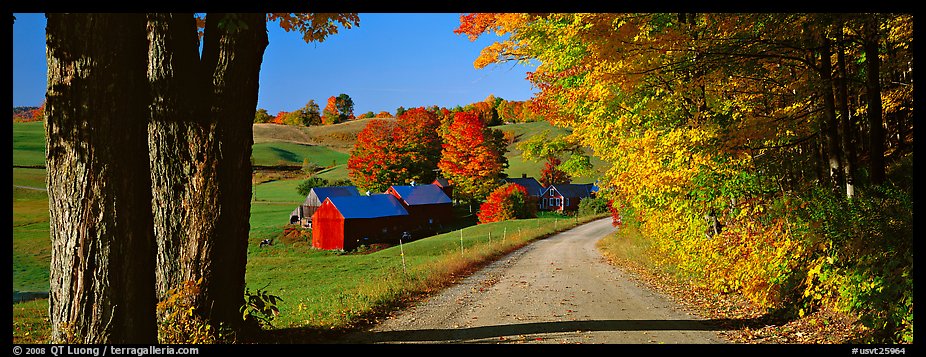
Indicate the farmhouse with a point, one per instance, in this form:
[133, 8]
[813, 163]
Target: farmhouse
[534, 189]
[347, 222]
[303, 213]
[428, 206]
[565, 197]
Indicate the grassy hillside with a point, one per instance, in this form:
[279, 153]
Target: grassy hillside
[272, 153]
[518, 165]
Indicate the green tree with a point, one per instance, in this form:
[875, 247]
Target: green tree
[345, 107]
[261, 116]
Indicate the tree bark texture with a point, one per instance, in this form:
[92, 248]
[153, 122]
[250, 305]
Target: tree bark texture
[200, 135]
[99, 197]
[845, 127]
[232, 54]
[875, 112]
[830, 131]
[182, 149]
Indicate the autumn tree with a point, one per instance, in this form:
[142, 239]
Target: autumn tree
[551, 174]
[200, 136]
[280, 117]
[305, 116]
[472, 157]
[102, 280]
[331, 115]
[507, 202]
[195, 111]
[261, 116]
[394, 153]
[419, 143]
[547, 148]
[374, 160]
[705, 116]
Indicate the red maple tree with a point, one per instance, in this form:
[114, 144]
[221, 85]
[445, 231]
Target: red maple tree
[510, 201]
[396, 152]
[551, 175]
[331, 115]
[470, 159]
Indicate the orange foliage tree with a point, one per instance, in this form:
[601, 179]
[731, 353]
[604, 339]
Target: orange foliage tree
[396, 152]
[509, 201]
[331, 115]
[473, 156]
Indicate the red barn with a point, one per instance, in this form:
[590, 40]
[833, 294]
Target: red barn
[428, 206]
[347, 222]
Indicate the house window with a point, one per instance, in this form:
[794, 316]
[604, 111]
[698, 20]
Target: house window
[567, 202]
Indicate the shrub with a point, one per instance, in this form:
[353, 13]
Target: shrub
[178, 321]
[592, 206]
[509, 201]
[312, 182]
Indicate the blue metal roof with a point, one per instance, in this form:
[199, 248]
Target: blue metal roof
[373, 206]
[422, 194]
[321, 193]
[573, 190]
[533, 187]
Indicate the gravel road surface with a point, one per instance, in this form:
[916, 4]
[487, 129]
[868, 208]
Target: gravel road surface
[556, 290]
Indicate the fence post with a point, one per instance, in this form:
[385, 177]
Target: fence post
[461, 242]
[402, 250]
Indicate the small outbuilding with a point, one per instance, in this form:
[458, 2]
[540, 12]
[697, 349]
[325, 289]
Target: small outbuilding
[429, 208]
[303, 213]
[565, 197]
[347, 222]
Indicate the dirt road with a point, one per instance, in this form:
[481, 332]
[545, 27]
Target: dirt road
[556, 290]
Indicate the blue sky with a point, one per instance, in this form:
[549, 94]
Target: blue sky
[390, 60]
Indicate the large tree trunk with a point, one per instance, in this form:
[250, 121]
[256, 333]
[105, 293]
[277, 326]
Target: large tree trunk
[182, 144]
[873, 89]
[844, 119]
[99, 198]
[232, 56]
[830, 131]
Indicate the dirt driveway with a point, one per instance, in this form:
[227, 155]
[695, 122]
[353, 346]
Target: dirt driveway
[556, 290]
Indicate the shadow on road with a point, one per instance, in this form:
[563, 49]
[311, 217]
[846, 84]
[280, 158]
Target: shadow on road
[487, 332]
[361, 335]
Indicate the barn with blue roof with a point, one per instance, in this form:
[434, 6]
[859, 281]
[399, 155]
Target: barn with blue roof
[347, 222]
[303, 213]
[428, 206]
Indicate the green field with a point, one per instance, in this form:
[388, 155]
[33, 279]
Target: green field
[29, 144]
[286, 153]
[320, 289]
